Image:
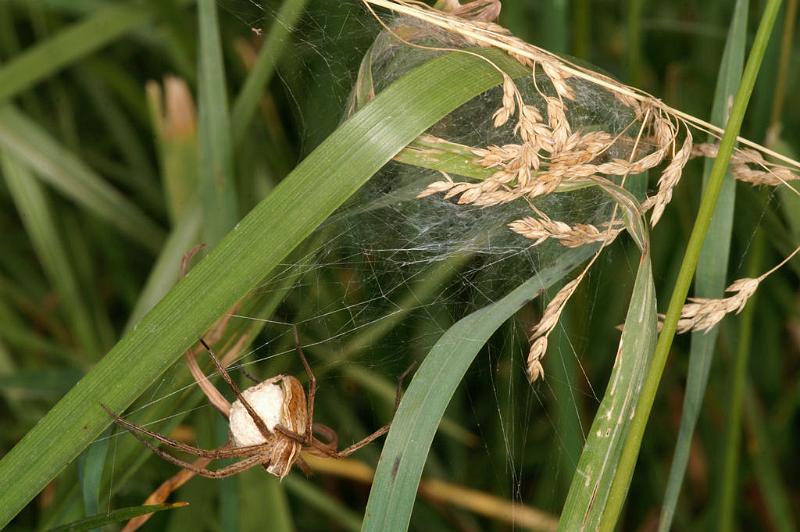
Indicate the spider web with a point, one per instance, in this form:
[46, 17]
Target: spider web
[375, 287]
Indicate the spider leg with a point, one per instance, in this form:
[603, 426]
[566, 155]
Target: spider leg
[327, 450]
[399, 393]
[359, 444]
[304, 467]
[232, 469]
[312, 380]
[302, 439]
[262, 427]
[223, 452]
[249, 375]
[331, 439]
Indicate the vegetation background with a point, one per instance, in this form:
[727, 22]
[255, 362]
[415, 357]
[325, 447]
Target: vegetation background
[102, 148]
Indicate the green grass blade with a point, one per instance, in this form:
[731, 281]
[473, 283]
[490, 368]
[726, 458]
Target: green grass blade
[123, 514]
[634, 41]
[591, 491]
[397, 476]
[712, 267]
[268, 56]
[217, 189]
[315, 498]
[81, 39]
[555, 26]
[775, 494]
[689, 263]
[347, 159]
[727, 485]
[31, 201]
[263, 500]
[33, 146]
[90, 472]
[582, 29]
[167, 267]
[172, 117]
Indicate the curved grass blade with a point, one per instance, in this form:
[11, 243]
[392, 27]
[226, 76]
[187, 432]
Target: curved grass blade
[34, 147]
[215, 174]
[712, 267]
[30, 199]
[590, 491]
[406, 449]
[265, 237]
[123, 514]
[90, 473]
[633, 442]
[71, 44]
[279, 33]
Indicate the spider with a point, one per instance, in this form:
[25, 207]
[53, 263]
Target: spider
[270, 423]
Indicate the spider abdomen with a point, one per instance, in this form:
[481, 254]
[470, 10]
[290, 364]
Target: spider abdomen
[280, 400]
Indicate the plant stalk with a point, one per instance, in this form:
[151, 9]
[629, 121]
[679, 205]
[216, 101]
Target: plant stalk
[737, 385]
[630, 452]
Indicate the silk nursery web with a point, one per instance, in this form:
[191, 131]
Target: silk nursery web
[548, 168]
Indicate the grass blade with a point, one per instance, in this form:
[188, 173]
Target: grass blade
[90, 473]
[424, 402]
[774, 491]
[591, 491]
[33, 146]
[258, 78]
[689, 263]
[712, 267]
[165, 271]
[31, 201]
[263, 500]
[347, 159]
[80, 39]
[123, 514]
[216, 144]
[728, 483]
[315, 498]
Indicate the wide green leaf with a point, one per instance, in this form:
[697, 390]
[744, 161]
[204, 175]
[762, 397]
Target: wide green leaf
[322, 182]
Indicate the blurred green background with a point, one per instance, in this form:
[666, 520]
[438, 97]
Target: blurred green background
[100, 145]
